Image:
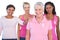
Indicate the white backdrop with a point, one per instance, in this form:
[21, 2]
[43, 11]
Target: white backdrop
[19, 6]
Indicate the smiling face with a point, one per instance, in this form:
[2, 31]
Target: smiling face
[38, 10]
[26, 7]
[49, 8]
[10, 11]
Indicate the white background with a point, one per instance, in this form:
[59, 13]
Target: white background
[19, 6]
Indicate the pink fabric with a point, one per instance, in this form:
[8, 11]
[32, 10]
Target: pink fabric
[53, 22]
[23, 29]
[39, 31]
[54, 33]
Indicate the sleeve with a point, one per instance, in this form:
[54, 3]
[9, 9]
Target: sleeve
[50, 25]
[28, 25]
[20, 21]
[1, 27]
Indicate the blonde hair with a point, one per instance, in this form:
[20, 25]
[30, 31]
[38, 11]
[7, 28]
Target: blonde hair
[25, 3]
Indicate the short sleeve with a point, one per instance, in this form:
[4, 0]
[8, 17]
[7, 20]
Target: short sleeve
[28, 25]
[49, 25]
[20, 21]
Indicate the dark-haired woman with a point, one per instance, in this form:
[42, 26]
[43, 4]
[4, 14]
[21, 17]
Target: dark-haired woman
[8, 24]
[51, 15]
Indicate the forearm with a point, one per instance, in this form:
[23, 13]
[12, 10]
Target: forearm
[27, 38]
[28, 35]
[50, 35]
[18, 32]
[57, 29]
[59, 36]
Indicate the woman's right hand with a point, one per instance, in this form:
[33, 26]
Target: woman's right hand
[18, 39]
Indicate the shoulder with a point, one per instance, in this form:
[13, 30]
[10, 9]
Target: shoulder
[56, 17]
[31, 18]
[2, 17]
[21, 16]
[44, 16]
[59, 19]
[15, 18]
[32, 15]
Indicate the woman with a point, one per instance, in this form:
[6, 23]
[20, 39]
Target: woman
[8, 24]
[25, 17]
[38, 27]
[51, 15]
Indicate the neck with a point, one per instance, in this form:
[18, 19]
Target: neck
[9, 16]
[39, 17]
[50, 14]
[27, 13]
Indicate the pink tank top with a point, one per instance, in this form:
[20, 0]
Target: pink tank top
[23, 28]
[54, 23]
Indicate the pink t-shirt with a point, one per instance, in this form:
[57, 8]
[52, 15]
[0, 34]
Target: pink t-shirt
[39, 31]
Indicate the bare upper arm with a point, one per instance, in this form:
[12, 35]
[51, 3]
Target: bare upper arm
[27, 32]
[20, 16]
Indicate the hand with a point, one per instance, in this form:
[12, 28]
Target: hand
[18, 39]
[25, 22]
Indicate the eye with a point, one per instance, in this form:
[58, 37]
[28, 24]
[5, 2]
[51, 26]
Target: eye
[9, 9]
[12, 10]
[46, 7]
[49, 7]
[36, 9]
[28, 7]
[39, 9]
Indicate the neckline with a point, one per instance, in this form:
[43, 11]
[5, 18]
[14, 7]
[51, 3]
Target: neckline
[8, 18]
[37, 21]
[50, 19]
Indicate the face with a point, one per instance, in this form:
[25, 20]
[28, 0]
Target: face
[10, 11]
[38, 10]
[26, 7]
[49, 8]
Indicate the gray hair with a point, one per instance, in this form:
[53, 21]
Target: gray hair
[39, 3]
